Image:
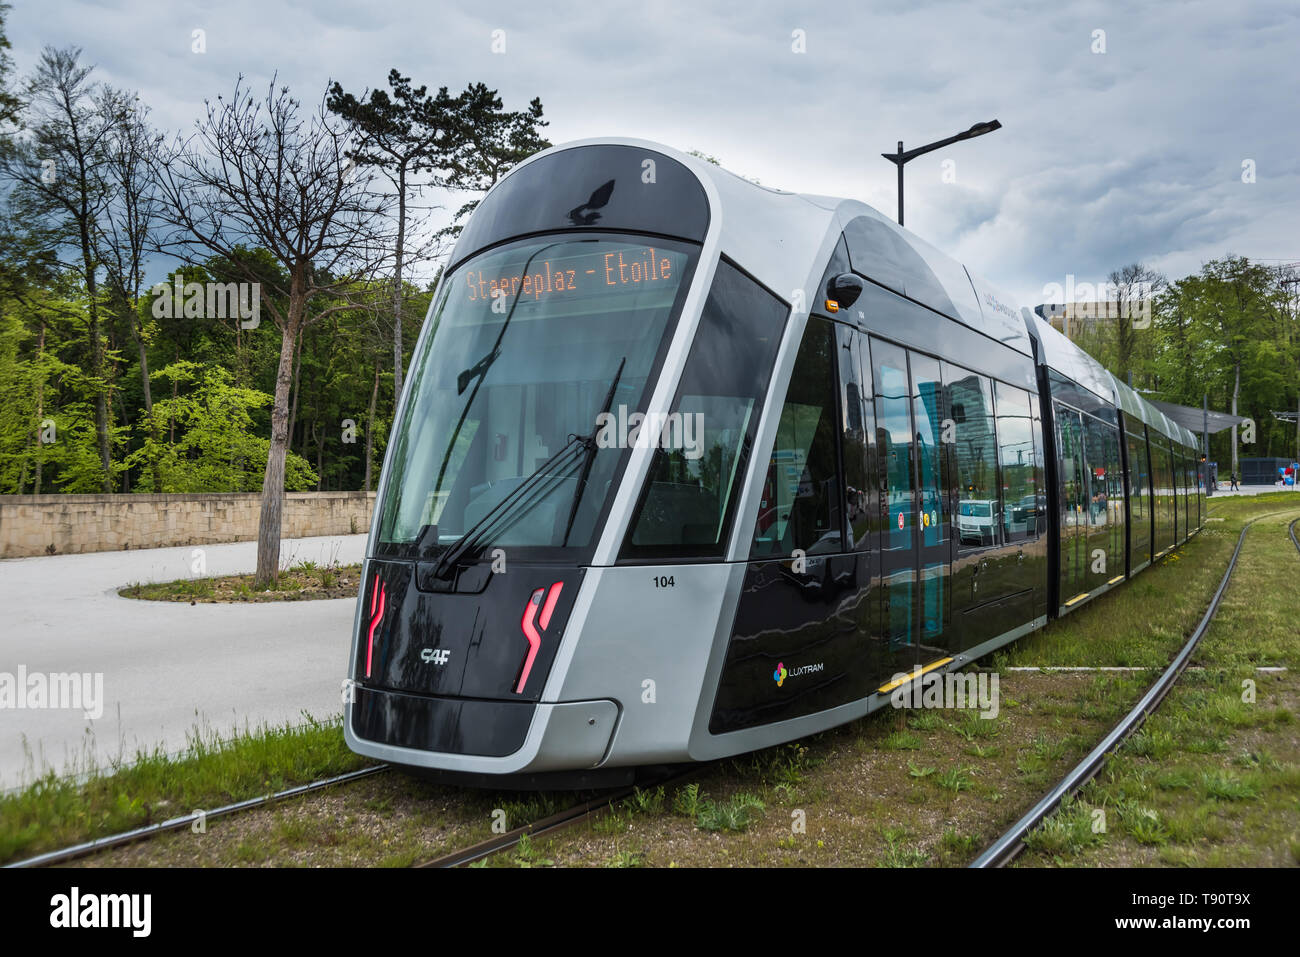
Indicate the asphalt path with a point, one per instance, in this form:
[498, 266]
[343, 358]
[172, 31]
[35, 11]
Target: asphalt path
[168, 669]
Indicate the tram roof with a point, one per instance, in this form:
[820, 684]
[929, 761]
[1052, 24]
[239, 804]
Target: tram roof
[782, 238]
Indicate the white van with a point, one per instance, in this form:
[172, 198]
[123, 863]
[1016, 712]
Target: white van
[977, 521]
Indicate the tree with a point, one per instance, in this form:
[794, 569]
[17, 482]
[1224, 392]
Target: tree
[259, 173]
[124, 229]
[1226, 331]
[217, 450]
[493, 141]
[10, 104]
[1135, 288]
[404, 136]
[58, 175]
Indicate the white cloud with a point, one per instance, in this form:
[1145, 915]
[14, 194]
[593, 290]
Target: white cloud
[1103, 159]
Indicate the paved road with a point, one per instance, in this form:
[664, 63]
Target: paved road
[1250, 489]
[167, 667]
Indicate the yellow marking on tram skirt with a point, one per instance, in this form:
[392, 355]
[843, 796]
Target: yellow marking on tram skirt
[898, 682]
[1117, 578]
[1079, 597]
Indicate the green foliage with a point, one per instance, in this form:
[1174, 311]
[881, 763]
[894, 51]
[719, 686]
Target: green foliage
[735, 814]
[686, 801]
[81, 346]
[1232, 328]
[215, 448]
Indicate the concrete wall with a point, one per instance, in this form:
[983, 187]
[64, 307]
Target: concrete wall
[59, 524]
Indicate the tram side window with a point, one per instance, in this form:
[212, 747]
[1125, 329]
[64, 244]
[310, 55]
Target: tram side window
[1137, 473]
[694, 483]
[858, 417]
[1069, 444]
[1040, 473]
[1016, 459]
[1095, 433]
[800, 507]
[975, 447]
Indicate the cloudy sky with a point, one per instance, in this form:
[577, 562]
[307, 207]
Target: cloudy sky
[1134, 153]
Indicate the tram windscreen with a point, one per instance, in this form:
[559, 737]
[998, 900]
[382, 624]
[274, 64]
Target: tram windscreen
[528, 339]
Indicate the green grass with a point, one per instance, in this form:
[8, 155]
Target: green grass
[295, 583]
[955, 780]
[903, 741]
[735, 814]
[1227, 786]
[899, 852]
[526, 855]
[56, 811]
[1065, 833]
[686, 801]
[925, 721]
[1143, 824]
[1211, 778]
[627, 859]
[970, 726]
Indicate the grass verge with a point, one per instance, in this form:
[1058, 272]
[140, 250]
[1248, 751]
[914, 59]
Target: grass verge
[55, 811]
[305, 581]
[932, 788]
[1211, 779]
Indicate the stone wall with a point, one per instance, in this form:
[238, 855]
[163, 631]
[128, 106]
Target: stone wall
[60, 524]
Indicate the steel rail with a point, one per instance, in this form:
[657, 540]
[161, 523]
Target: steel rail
[152, 830]
[1002, 851]
[554, 822]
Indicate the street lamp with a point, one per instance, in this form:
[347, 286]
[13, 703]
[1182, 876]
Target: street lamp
[899, 158]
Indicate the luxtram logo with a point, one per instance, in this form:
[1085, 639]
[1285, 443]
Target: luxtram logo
[782, 673]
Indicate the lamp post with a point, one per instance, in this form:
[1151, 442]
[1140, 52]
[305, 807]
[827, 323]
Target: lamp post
[901, 157]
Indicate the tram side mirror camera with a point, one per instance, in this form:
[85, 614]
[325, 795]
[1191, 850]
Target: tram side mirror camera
[843, 290]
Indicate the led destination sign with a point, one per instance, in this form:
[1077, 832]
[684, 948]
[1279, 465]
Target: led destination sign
[617, 269]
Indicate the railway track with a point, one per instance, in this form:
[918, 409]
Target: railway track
[1007, 847]
[188, 820]
[457, 858]
[998, 854]
[556, 822]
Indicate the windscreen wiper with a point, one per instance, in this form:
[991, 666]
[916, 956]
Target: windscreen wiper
[557, 464]
[448, 560]
[591, 452]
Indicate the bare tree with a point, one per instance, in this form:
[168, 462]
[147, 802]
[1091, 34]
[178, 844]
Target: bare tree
[262, 172]
[129, 218]
[1134, 287]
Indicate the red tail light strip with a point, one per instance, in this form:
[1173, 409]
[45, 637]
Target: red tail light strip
[530, 630]
[378, 594]
[552, 599]
[534, 639]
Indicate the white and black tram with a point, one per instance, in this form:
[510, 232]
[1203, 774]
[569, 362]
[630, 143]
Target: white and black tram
[687, 467]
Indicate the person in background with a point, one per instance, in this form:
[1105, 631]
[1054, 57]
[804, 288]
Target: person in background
[1233, 477]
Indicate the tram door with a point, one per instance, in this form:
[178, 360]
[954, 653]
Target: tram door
[1074, 499]
[934, 546]
[914, 547]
